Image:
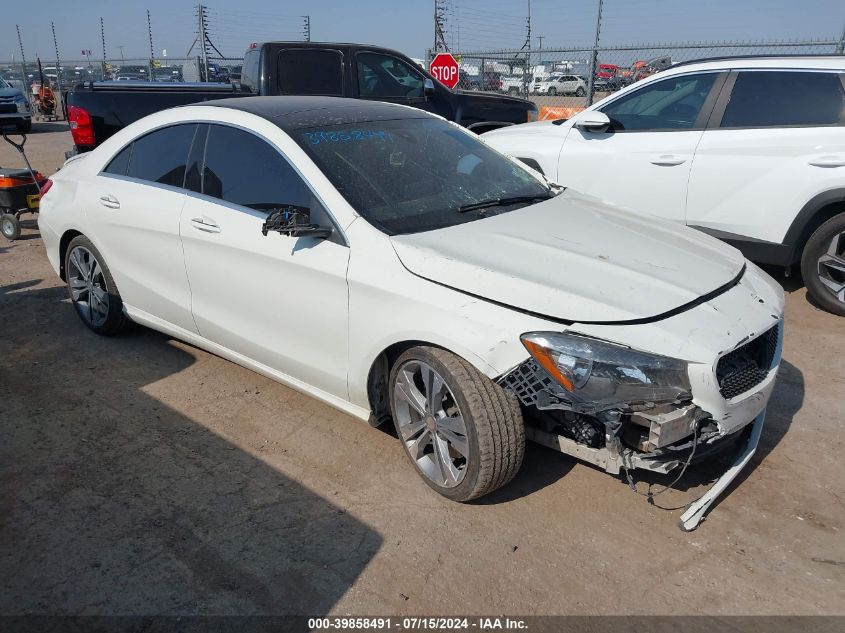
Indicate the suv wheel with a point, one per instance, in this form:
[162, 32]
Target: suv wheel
[823, 265]
[552, 92]
[580, 92]
[463, 433]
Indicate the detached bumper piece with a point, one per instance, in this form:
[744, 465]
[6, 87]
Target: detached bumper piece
[657, 437]
[695, 512]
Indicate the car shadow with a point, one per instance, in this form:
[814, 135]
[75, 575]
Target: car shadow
[541, 467]
[112, 502]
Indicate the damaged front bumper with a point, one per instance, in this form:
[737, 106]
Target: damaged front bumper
[660, 437]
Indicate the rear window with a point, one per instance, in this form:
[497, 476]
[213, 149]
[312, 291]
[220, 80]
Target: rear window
[781, 98]
[310, 72]
[161, 156]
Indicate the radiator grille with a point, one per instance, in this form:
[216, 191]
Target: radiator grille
[745, 367]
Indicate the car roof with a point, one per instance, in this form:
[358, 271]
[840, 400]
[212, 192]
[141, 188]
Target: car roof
[822, 62]
[297, 112]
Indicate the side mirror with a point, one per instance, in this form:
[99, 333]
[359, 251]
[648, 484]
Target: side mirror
[428, 87]
[294, 221]
[592, 121]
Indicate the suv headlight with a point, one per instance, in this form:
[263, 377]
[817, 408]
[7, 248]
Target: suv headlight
[604, 374]
[22, 103]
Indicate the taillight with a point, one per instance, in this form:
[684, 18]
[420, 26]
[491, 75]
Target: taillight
[46, 187]
[81, 127]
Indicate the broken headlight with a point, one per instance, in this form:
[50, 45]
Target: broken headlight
[606, 375]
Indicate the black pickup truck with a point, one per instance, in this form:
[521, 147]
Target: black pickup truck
[96, 110]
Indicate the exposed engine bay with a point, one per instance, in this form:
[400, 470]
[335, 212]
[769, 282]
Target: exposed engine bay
[662, 435]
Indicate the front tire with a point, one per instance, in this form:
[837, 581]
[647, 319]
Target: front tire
[823, 265]
[92, 289]
[464, 433]
[552, 92]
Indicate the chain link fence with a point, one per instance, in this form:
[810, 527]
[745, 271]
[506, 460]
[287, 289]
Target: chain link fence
[559, 80]
[562, 81]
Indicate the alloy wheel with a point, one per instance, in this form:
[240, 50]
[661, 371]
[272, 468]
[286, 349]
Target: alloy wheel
[430, 423]
[831, 267]
[88, 286]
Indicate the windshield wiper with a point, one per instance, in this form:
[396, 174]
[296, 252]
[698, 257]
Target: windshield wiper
[500, 202]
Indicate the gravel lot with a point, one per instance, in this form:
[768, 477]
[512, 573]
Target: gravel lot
[139, 475]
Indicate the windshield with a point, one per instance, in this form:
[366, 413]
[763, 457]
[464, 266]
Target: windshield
[412, 175]
[4, 83]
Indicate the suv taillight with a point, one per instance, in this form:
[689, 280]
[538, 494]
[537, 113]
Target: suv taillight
[81, 127]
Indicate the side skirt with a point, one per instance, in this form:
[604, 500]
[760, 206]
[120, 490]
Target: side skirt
[144, 318]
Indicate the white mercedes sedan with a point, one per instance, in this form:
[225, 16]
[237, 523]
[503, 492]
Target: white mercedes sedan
[391, 264]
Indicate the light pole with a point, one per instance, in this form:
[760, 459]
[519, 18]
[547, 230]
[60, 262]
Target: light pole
[121, 54]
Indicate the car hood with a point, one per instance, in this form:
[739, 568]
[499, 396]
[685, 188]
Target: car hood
[538, 128]
[576, 259]
[10, 92]
[485, 98]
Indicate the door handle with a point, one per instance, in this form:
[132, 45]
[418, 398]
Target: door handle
[668, 160]
[110, 201]
[205, 224]
[827, 161]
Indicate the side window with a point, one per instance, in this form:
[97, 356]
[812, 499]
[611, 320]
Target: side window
[383, 76]
[161, 156]
[310, 72]
[119, 163]
[246, 170]
[671, 104]
[779, 98]
[250, 70]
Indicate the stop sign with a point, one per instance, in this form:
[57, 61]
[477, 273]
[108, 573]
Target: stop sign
[444, 68]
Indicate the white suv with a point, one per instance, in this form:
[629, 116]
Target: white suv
[751, 150]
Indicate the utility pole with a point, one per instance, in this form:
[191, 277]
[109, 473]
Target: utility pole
[152, 50]
[103, 39]
[594, 58]
[841, 48]
[58, 61]
[540, 37]
[527, 47]
[440, 10]
[306, 27]
[121, 54]
[202, 37]
[23, 62]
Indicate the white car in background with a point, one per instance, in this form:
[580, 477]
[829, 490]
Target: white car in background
[389, 263]
[560, 85]
[750, 150]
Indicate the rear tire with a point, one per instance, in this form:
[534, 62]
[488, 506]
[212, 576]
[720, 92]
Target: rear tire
[466, 433]
[92, 289]
[10, 226]
[580, 92]
[823, 265]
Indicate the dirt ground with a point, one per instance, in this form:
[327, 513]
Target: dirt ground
[139, 475]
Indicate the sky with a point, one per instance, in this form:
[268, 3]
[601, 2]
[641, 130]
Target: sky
[405, 25]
